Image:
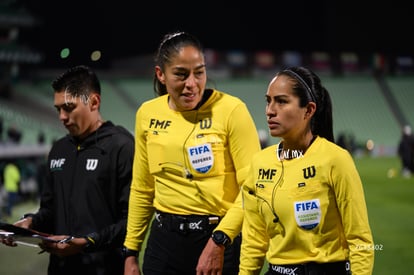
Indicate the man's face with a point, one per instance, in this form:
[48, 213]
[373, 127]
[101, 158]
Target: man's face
[75, 112]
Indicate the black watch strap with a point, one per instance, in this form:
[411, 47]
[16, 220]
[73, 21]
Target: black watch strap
[129, 252]
[221, 238]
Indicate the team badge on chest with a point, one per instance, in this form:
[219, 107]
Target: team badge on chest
[201, 157]
[307, 213]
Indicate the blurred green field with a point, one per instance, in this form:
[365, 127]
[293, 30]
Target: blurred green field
[390, 201]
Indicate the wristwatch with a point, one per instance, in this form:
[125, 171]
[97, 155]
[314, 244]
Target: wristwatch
[220, 238]
[129, 252]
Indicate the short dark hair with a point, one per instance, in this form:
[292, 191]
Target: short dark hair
[78, 80]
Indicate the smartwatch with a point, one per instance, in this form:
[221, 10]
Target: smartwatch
[220, 238]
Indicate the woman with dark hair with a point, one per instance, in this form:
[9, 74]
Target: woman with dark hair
[193, 146]
[304, 202]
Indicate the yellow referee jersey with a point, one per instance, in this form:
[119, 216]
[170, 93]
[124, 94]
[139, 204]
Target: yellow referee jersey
[190, 162]
[310, 208]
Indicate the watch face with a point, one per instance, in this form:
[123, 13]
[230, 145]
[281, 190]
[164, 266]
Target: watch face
[220, 238]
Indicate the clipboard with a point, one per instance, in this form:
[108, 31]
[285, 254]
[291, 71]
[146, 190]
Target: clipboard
[22, 235]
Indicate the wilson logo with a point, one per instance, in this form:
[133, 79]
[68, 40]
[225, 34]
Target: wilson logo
[205, 123]
[91, 164]
[309, 172]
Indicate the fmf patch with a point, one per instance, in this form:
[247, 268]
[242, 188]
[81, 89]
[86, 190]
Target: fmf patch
[307, 213]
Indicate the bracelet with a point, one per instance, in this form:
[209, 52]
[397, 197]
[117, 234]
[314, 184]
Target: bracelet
[89, 242]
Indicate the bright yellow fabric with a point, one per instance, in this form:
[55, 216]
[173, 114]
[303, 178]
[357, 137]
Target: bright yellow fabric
[325, 174]
[11, 178]
[164, 139]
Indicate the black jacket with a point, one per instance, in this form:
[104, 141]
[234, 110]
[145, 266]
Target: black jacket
[86, 194]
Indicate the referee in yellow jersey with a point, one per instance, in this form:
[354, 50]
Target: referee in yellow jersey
[305, 211]
[193, 146]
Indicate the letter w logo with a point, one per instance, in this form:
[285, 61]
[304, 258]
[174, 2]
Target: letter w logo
[205, 123]
[91, 164]
[309, 172]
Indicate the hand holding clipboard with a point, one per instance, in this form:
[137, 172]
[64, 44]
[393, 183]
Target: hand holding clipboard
[12, 235]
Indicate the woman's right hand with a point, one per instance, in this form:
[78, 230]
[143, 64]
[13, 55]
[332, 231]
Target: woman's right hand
[131, 266]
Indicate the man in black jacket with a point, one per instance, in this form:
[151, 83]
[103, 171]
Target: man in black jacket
[84, 201]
